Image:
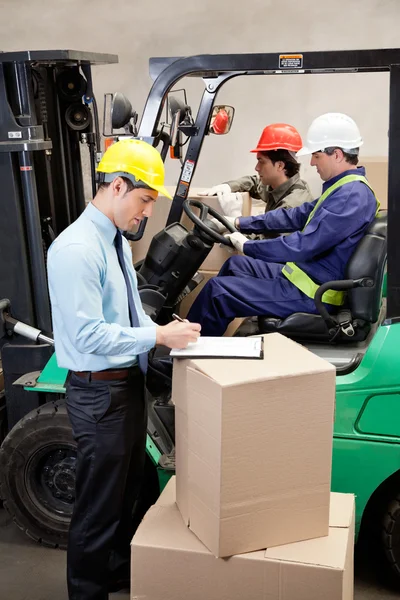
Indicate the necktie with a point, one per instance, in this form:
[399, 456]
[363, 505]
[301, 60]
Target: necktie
[143, 357]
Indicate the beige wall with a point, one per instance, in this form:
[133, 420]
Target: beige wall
[138, 29]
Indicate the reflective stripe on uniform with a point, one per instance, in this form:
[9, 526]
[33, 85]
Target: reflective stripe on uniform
[297, 276]
[306, 285]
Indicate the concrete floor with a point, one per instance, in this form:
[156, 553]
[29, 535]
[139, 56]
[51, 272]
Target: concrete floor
[30, 572]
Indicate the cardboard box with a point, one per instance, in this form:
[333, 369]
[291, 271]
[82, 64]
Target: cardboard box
[254, 447]
[186, 304]
[219, 254]
[377, 174]
[170, 563]
[157, 222]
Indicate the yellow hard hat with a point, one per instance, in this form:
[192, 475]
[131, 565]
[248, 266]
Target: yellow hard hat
[138, 161]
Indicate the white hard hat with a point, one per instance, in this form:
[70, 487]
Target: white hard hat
[332, 130]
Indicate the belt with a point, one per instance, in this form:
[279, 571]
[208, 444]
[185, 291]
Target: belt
[108, 375]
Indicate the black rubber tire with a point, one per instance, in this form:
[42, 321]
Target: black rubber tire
[38, 429]
[46, 425]
[391, 536]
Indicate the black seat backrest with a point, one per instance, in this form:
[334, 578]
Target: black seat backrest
[369, 260]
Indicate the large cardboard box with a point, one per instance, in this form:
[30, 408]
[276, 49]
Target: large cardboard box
[254, 447]
[170, 563]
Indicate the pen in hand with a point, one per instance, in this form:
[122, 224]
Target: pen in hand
[178, 318]
[196, 328]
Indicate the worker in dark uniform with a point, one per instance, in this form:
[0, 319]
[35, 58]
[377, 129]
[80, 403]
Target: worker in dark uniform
[277, 182]
[279, 277]
[102, 336]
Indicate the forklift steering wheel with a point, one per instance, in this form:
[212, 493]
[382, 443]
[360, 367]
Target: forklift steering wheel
[199, 221]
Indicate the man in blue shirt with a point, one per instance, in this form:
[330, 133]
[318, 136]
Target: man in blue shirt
[102, 336]
[278, 277]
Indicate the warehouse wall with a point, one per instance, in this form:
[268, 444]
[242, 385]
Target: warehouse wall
[139, 29]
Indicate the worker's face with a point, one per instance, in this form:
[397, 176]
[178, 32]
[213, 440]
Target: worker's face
[269, 172]
[327, 166]
[129, 208]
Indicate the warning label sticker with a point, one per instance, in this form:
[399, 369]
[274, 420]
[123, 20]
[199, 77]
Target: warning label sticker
[187, 171]
[183, 189]
[290, 61]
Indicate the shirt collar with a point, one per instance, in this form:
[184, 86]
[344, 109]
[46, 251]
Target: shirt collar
[279, 192]
[355, 171]
[102, 222]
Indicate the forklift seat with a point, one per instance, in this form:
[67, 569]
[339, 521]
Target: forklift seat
[363, 304]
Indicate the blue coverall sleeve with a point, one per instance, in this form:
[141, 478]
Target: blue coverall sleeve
[345, 212]
[283, 220]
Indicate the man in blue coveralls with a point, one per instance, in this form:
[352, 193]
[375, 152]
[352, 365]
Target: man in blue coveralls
[278, 277]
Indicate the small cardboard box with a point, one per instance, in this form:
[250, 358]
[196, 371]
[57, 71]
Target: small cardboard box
[158, 220]
[254, 447]
[219, 254]
[376, 168]
[170, 563]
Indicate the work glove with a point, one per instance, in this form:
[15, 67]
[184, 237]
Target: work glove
[223, 187]
[220, 226]
[237, 240]
[231, 204]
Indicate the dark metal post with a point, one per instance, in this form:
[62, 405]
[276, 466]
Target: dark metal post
[24, 92]
[33, 229]
[195, 144]
[393, 272]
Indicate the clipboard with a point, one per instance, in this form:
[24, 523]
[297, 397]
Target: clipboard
[251, 348]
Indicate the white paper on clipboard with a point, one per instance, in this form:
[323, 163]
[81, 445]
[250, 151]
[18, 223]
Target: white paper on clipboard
[220, 347]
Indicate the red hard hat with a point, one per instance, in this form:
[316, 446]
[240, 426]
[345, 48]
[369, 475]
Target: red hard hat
[279, 136]
[221, 122]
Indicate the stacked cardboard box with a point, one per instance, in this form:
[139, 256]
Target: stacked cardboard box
[170, 563]
[253, 470]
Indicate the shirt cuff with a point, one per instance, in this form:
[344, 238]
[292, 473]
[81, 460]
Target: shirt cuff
[146, 338]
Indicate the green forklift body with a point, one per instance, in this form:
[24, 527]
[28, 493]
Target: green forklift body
[366, 444]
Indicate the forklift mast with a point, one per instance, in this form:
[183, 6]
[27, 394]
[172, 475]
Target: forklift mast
[47, 108]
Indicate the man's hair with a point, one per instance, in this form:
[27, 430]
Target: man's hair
[103, 185]
[292, 167]
[350, 157]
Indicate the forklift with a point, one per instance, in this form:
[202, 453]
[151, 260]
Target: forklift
[48, 117]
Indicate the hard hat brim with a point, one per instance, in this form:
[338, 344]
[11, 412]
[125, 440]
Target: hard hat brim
[162, 190]
[304, 151]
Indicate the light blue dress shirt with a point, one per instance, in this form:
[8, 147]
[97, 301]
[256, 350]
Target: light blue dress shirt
[89, 301]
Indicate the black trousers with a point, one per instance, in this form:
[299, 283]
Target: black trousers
[109, 423]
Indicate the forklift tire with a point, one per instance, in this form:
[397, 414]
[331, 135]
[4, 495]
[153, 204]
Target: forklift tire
[37, 474]
[391, 538]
